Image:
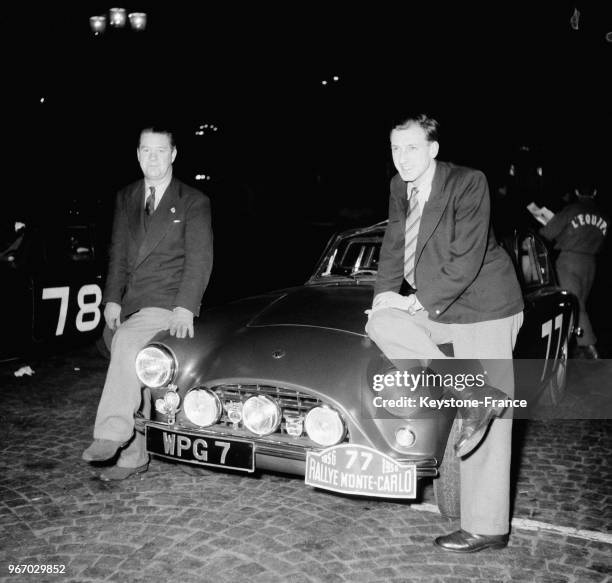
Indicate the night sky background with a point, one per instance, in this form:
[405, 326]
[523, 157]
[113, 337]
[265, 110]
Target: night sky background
[294, 160]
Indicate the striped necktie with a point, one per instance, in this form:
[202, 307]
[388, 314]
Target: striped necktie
[413, 219]
[150, 203]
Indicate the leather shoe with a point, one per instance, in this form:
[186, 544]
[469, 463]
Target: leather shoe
[462, 541]
[118, 473]
[101, 450]
[475, 420]
[473, 430]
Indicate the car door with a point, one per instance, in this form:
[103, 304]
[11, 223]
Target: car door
[66, 286]
[550, 314]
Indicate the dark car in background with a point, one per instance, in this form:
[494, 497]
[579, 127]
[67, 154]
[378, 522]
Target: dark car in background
[50, 292]
[283, 380]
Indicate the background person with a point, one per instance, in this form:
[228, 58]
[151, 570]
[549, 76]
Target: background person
[579, 230]
[160, 261]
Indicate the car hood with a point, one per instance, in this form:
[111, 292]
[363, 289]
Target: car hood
[335, 307]
[309, 339]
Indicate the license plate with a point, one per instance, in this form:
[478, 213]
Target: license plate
[357, 469]
[201, 450]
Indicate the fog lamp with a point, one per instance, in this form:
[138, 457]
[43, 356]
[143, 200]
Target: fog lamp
[324, 426]
[405, 437]
[155, 366]
[261, 415]
[202, 407]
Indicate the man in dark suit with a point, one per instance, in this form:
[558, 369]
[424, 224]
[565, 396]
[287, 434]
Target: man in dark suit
[160, 263]
[463, 289]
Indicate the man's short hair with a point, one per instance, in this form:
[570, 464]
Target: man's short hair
[428, 124]
[158, 129]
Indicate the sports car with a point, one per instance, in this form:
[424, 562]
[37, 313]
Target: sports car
[283, 381]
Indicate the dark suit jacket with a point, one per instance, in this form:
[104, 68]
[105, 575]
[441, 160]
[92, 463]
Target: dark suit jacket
[168, 264]
[462, 275]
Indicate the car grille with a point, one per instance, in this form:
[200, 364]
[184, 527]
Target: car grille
[292, 403]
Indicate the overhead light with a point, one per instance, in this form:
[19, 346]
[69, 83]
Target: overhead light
[324, 82]
[138, 20]
[336, 78]
[117, 17]
[97, 24]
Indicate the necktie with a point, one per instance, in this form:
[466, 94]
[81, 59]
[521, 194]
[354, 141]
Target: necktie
[413, 219]
[150, 203]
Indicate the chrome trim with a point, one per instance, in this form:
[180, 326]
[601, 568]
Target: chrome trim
[281, 440]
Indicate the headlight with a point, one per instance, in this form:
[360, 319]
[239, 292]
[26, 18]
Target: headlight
[261, 415]
[155, 366]
[324, 426]
[202, 407]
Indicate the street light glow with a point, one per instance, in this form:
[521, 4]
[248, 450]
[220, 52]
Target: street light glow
[138, 20]
[97, 24]
[117, 17]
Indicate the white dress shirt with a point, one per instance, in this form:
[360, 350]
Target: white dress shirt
[160, 188]
[423, 183]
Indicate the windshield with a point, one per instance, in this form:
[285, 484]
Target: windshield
[351, 255]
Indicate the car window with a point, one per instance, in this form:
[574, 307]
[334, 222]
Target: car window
[352, 256]
[533, 261]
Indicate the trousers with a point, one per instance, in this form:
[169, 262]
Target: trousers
[121, 396]
[576, 273]
[485, 473]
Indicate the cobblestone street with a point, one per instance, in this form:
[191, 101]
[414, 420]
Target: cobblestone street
[209, 526]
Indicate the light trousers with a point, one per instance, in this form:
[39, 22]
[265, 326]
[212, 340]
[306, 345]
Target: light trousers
[121, 395]
[485, 473]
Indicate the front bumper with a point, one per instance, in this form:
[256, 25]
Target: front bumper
[272, 454]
